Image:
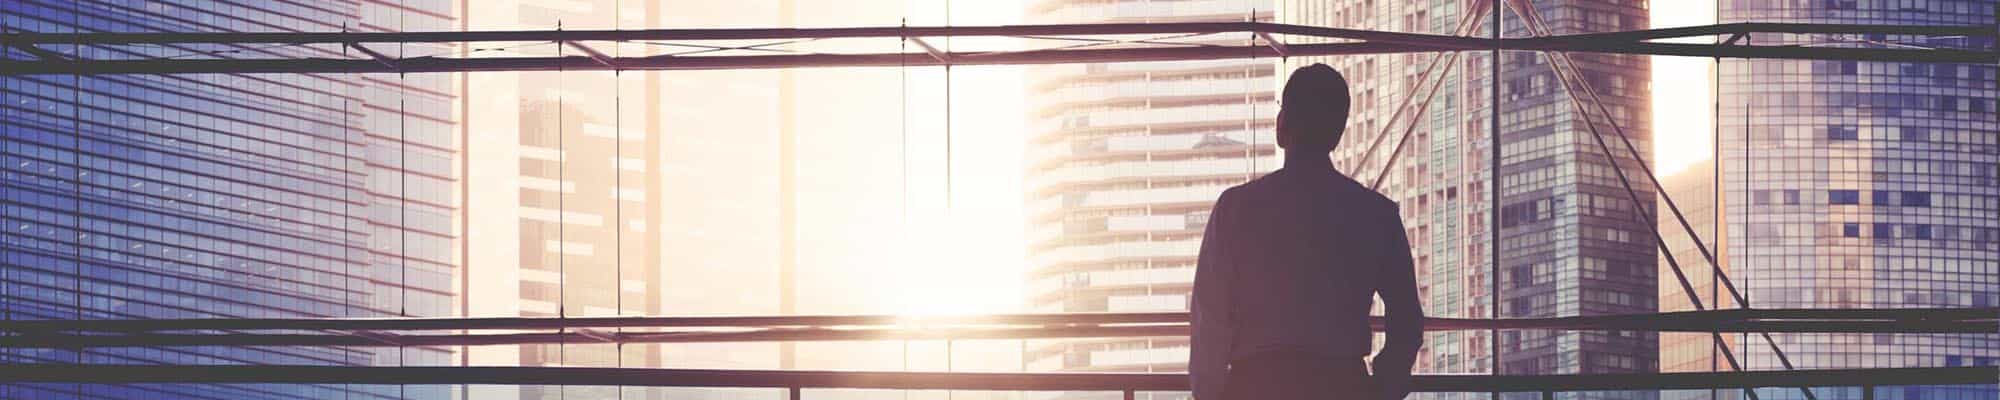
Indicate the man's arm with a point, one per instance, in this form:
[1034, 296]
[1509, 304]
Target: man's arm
[1404, 313]
[1214, 327]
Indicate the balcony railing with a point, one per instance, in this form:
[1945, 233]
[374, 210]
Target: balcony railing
[796, 381]
[395, 332]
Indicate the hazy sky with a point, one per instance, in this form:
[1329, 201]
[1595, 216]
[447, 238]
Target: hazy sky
[877, 232]
[968, 257]
[1683, 95]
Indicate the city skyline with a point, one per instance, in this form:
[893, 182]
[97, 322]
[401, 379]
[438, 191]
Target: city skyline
[1568, 244]
[925, 192]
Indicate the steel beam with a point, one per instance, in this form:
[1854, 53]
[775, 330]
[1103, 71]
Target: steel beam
[1366, 42]
[112, 38]
[1926, 319]
[385, 339]
[985, 381]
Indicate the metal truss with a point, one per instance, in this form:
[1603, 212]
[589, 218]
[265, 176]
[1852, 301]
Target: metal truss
[55, 53]
[401, 332]
[795, 381]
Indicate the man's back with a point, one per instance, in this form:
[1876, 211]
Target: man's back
[1290, 264]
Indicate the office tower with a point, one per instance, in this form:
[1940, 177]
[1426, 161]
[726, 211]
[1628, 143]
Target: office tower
[1124, 162]
[563, 164]
[1693, 189]
[227, 195]
[1862, 185]
[1570, 242]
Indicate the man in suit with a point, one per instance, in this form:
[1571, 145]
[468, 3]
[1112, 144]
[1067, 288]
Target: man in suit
[1290, 265]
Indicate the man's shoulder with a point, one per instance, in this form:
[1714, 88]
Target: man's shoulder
[1276, 182]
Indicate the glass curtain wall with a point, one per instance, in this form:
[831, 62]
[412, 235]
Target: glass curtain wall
[229, 195]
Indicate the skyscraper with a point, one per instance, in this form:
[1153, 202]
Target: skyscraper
[563, 168]
[227, 195]
[1124, 163]
[1862, 185]
[1570, 242]
[1693, 189]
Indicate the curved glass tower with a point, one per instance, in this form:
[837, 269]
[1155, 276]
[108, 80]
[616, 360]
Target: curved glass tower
[1124, 162]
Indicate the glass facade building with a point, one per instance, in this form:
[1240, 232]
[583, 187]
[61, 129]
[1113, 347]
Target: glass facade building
[1862, 185]
[1124, 161]
[1693, 189]
[1570, 243]
[564, 169]
[227, 195]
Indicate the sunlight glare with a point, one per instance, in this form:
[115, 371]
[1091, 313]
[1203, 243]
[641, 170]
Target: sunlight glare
[942, 270]
[1683, 97]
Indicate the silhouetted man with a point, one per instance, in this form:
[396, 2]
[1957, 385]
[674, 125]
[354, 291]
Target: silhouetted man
[1290, 266]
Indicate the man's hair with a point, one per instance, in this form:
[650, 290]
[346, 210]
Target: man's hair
[1315, 105]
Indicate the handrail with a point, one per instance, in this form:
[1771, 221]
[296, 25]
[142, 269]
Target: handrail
[390, 332]
[796, 380]
[1677, 321]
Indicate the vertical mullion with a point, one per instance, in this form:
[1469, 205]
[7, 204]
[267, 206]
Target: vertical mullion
[1493, 195]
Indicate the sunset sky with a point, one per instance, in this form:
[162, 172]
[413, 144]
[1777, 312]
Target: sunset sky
[985, 219]
[967, 257]
[1683, 92]
[879, 230]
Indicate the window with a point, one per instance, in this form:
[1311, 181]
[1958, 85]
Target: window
[1843, 197]
[1916, 134]
[1885, 231]
[1842, 132]
[1850, 229]
[1916, 199]
[1917, 231]
[1884, 198]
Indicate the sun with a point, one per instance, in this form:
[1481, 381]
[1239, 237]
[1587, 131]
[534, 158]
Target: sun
[949, 268]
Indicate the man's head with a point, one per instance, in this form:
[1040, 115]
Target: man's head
[1314, 109]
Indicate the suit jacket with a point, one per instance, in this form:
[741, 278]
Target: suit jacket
[1292, 262]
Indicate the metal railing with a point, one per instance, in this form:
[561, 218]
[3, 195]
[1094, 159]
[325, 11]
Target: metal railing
[797, 381]
[393, 332]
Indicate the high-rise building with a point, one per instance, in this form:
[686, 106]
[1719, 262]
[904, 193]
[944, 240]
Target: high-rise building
[1124, 162]
[1693, 190]
[563, 166]
[1862, 185]
[227, 195]
[1571, 244]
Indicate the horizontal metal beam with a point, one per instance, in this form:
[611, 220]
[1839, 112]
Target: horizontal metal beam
[1792, 28]
[408, 332]
[115, 38]
[1668, 320]
[1367, 42]
[578, 322]
[684, 63]
[1099, 29]
[707, 378]
[582, 337]
[373, 339]
[920, 59]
